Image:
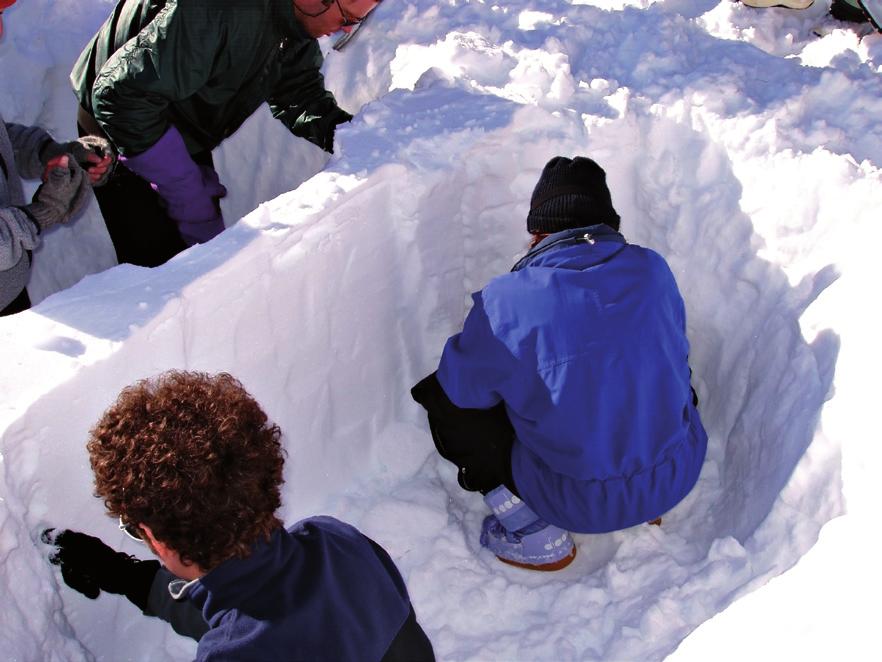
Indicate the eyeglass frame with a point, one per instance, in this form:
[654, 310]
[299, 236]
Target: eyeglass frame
[130, 530]
[349, 21]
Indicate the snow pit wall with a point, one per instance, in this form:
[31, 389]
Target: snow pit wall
[328, 311]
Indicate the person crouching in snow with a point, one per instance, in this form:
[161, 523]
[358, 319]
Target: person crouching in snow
[191, 466]
[566, 399]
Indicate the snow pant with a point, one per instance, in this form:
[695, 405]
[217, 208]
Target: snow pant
[477, 441]
[17, 305]
[140, 229]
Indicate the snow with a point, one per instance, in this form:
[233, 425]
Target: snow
[738, 144]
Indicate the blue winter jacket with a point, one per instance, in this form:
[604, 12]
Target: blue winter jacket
[318, 591]
[585, 342]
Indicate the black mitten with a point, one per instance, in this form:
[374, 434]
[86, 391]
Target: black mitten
[89, 567]
[336, 117]
[478, 441]
[319, 123]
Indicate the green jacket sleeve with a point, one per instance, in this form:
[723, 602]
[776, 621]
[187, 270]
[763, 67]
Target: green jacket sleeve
[300, 97]
[168, 60]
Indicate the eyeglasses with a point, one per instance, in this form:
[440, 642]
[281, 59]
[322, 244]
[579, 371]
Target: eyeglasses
[130, 530]
[349, 21]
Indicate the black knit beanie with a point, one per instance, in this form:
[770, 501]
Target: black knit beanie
[571, 193]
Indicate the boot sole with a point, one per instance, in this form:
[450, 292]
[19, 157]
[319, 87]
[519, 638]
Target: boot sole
[789, 4]
[545, 567]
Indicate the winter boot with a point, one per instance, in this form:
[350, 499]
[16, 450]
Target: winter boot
[517, 536]
[790, 4]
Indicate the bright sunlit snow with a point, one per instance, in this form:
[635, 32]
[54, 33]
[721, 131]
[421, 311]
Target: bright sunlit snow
[738, 144]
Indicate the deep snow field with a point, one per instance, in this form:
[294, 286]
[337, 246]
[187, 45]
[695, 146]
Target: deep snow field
[738, 144]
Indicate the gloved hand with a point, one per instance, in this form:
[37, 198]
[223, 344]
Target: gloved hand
[211, 182]
[61, 196]
[477, 441]
[93, 154]
[191, 192]
[319, 124]
[89, 567]
[193, 228]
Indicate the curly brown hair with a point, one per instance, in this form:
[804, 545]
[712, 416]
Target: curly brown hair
[195, 458]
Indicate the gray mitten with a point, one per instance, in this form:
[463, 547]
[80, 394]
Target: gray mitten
[60, 197]
[80, 150]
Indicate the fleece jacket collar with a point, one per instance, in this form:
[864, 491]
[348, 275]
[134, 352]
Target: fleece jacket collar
[613, 242]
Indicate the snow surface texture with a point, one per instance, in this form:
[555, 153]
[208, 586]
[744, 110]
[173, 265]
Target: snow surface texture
[738, 144]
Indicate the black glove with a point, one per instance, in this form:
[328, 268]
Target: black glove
[319, 123]
[81, 149]
[477, 441]
[64, 193]
[847, 12]
[89, 566]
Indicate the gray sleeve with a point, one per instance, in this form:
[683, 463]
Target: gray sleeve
[184, 617]
[27, 141]
[17, 235]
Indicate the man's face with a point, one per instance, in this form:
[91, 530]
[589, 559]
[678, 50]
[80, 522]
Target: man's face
[327, 19]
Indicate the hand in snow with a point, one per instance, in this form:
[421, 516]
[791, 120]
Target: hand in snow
[319, 124]
[334, 119]
[89, 567]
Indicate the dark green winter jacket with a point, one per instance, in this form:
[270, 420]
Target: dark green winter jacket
[202, 65]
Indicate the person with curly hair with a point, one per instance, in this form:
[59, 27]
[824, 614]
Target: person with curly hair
[191, 466]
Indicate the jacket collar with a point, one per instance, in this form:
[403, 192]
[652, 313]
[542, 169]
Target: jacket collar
[590, 234]
[237, 579]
